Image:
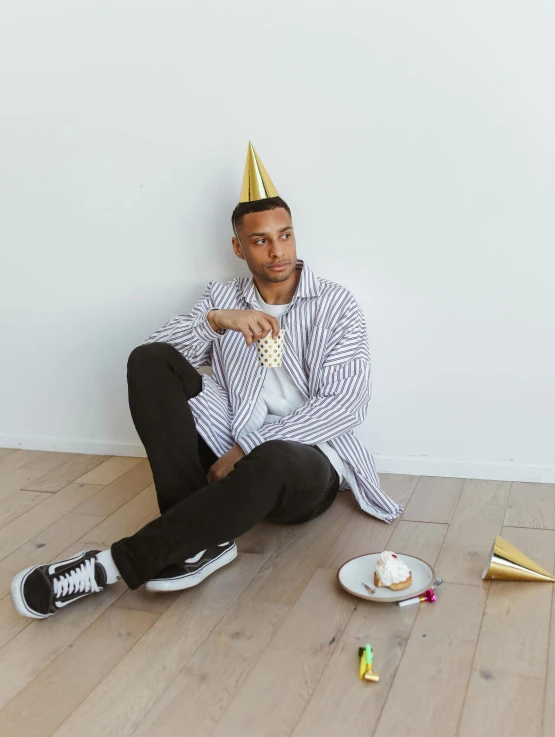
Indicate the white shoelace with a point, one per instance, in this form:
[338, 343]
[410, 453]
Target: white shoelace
[79, 580]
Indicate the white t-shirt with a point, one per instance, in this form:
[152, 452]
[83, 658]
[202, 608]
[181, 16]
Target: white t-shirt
[280, 395]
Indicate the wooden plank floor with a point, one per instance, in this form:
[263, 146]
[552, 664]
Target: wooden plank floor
[268, 646]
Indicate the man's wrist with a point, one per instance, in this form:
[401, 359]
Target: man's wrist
[211, 317]
[238, 450]
[243, 451]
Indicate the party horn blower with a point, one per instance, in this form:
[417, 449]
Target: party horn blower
[428, 596]
[507, 563]
[366, 670]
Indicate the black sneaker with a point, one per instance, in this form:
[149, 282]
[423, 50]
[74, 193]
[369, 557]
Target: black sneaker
[193, 570]
[40, 591]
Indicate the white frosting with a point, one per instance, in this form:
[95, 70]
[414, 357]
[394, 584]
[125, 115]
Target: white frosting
[391, 569]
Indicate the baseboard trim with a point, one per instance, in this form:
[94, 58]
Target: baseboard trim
[483, 470]
[73, 445]
[406, 465]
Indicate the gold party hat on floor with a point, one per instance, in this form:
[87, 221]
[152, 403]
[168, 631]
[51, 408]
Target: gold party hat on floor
[257, 184]
[507, 563]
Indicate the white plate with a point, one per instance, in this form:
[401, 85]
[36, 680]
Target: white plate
[355, 571]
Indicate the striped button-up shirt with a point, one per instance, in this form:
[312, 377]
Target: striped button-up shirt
[326, 353]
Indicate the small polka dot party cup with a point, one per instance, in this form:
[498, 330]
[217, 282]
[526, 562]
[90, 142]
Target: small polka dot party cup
[269, 350]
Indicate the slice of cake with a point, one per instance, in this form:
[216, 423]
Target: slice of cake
[392, 572]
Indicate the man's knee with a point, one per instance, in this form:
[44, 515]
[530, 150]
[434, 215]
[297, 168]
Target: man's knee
[289, 458]
[150, 354]
[275, 453]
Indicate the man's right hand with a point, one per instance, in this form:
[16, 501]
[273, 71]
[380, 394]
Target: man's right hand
[254, 324]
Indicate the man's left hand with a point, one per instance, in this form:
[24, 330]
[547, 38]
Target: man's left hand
[225, 464]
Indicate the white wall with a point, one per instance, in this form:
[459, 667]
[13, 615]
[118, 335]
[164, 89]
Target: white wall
[414, 141]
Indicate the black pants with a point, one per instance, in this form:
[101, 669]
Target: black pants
[280, 480]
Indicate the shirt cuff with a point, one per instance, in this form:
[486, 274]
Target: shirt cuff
[204, 330]
[250, 441]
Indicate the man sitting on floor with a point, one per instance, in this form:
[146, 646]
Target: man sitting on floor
[249, 442]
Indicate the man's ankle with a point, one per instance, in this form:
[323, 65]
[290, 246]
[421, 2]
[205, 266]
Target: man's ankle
[107, 562]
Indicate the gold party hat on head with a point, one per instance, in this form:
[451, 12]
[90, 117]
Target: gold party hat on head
[257, 184]
[507, 563]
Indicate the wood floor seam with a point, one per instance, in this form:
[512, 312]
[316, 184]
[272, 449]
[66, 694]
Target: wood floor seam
[459, 721]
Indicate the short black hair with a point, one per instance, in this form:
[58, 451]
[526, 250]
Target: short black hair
[244, 208]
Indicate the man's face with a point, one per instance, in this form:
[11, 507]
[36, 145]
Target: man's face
[267, 244]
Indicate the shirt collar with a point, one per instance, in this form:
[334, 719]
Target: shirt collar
[307, 287]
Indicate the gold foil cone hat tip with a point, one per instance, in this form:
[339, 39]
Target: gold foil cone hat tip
[257, 184]
[507, 563]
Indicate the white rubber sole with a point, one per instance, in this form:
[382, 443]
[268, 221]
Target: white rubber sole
[17, 598]
[188, 582]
